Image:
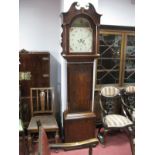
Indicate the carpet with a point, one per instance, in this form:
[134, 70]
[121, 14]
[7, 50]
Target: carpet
[116, 144]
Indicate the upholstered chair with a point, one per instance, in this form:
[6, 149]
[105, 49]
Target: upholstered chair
[113, 114]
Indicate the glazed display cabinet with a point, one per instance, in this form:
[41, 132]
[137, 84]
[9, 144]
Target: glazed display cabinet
[116, 64]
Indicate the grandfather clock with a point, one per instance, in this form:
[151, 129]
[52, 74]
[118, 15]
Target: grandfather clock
[80, 48]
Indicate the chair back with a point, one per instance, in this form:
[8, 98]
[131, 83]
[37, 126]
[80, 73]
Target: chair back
[42, 100]
[110, 100]
[130, 89]
[130, 96]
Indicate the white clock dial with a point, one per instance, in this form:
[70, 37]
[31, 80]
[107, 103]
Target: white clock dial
[80, 39]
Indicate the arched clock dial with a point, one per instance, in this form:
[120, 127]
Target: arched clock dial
[80, 39]
[80, 36]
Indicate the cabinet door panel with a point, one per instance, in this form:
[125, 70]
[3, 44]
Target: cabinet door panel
[108, 64]
[40, 70]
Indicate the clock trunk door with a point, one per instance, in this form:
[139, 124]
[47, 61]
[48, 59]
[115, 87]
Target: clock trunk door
[80, 80]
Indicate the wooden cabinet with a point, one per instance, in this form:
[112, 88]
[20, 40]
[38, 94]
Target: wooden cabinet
[34, 71]
[116, 64]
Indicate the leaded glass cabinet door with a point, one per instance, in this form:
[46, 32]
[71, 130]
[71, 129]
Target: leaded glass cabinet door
[108, 64]
[129, 67]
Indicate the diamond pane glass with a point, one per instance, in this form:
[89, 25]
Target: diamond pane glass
[129, 76]
[107, 77]
[109, 62]
[130, 60]
[130, 64]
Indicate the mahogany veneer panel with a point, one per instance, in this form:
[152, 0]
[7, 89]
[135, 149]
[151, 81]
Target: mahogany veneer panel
[80, 87]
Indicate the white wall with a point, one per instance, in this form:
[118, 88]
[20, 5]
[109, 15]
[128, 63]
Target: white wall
[82, 3]
[117, 12]
[114, 12]
[39, 21]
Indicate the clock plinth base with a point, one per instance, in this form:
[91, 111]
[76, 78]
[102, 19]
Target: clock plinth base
[79, 126]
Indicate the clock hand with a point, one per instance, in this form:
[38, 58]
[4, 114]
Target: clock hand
[81, 41]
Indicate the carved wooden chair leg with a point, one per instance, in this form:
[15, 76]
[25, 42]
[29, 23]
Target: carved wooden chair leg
[25, 146]
[56, 137]
[29, 142]
[131, 138]
[105, 135]
[90, 150]
[101, 136]
[132, 147]
[99, 129]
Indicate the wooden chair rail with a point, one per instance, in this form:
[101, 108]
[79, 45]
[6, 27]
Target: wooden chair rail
[85, 143]
[90, 143]
[43, 112]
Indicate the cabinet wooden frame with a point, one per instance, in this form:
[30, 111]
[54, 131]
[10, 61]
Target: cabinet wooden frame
[124, 58]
